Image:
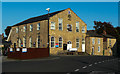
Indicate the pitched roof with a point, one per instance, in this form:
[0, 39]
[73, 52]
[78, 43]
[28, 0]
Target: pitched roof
[38, 18]
[92, 33]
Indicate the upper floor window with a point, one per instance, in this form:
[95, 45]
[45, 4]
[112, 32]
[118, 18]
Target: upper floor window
[31, 27]
[17, 30]
[77, 43]
[52, 42]
[60, 42]
[30, 42]
[93, 40]
[98, 41]
[69, 27]
[60, 20]
[109, 42]
[77, 26]
[83, 29]
[98, 48]
[83, 40]
[24, 28]
[69, 12]
[38, 26]
[53, 25]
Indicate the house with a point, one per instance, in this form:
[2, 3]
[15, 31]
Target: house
[100, 44]
[94, 43]
[66, 32]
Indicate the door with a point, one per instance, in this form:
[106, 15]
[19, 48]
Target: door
[83, 47]
[69, 45]
[92, 50]
[64, 46]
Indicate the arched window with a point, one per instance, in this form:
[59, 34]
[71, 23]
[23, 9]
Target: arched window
[52, 42]
[60, 42]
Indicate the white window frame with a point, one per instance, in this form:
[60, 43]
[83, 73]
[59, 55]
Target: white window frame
[24, 42]
[109, 41]
[77, 42]
[93, 40]
[98, 41]
[38, 26]
[24, 29]
[67, 27]
[31, 27]
[98, 48]
[17, 29]
[83, 29]
[60, 22]
[30, 42]
[52, 41]
[77, 26]
[60, 42]
[52, 26]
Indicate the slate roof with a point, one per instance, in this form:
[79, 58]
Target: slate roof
[38, 18]
[92, 33]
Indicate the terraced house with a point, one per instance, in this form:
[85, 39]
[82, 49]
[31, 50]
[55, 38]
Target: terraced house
[67, 32]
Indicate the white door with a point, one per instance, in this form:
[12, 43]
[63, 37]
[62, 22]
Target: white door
[83, 47]
[69, 45]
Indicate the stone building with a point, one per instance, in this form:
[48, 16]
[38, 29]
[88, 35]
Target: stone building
[94, 43]
[66, 29]
[100, 44]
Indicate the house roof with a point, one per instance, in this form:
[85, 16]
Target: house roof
[92, 33]
[38, 18]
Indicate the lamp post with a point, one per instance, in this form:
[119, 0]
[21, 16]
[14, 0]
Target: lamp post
[48, 9]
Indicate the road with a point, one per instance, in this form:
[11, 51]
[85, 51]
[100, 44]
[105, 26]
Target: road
[66, 64]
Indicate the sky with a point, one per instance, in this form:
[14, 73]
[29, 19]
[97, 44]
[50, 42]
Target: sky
[15, 12]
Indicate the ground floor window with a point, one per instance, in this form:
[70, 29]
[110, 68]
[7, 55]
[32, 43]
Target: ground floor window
[60, 42]
[98, 48]
[19, 43]
[77, 43]
[24, 42]
[52, 42]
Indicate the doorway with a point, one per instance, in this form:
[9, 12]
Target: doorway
[69, 45]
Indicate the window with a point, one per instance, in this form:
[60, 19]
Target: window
[60, 23]
[83, 40]
[17, 30]
[69, 12]
[24, 28]
[98, 41]
[30, 42]
[93, 41]
[24, 42]
[77, 43]
[31, 27]
[69, 27]
[19, 42]
[77, 26]
[83, 29]
[52, 42]
[98, 48]
[60, 42]
[109, 42]
[38, 41]
[53, 25]
[38, 26]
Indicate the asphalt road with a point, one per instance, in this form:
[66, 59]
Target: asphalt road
[66, 64]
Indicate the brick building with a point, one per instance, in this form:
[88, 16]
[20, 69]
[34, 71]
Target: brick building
[66, 29]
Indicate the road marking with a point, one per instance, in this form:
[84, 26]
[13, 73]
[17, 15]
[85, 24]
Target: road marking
[99, 62]
[77, 70]
[90, 65]
[95, 63]
[84, 67]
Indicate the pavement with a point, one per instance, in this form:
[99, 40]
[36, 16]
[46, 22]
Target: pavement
[64, 64]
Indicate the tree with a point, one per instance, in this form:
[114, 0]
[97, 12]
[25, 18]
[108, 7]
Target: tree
[7, 30]
[107, 26]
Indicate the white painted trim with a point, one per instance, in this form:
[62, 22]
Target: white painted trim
[9, 35]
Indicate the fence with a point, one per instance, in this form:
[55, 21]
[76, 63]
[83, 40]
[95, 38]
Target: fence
[28, 53]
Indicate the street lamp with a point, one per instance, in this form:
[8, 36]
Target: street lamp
[48, 9]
